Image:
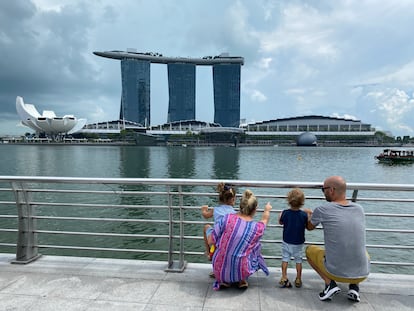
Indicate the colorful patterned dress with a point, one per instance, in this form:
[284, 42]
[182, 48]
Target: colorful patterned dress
[238, 249]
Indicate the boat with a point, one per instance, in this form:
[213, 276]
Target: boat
[394, 156]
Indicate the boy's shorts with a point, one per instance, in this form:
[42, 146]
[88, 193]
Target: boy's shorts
[317, 255]
[292, 250]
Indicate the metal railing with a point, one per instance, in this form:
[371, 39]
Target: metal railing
[160, 219]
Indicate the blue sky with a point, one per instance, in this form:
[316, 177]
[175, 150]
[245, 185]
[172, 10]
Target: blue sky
[352, 59]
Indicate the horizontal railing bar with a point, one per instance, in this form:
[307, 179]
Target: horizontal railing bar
[8, 244]
[101, 219]
[390, 215]
[199, 182]
[8, 216]
[7, 202]
[104, 249]
[8, 230]
[390, 246]
[393, 263]
[389, 230]
[102, 234]
[99, 205]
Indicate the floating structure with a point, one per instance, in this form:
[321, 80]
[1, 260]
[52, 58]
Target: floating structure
[47, 122]
[391, 156]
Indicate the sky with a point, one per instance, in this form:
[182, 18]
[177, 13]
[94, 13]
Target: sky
[347, 58]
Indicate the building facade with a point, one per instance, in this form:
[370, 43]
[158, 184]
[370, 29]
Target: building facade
[226, 82]
[182, 92]
[135, 99]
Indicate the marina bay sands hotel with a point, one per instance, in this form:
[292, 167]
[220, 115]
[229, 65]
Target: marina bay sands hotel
[135, 75]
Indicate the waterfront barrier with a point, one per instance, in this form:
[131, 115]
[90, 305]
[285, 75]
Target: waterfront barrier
[160, 219]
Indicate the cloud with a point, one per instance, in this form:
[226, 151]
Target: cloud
[301, 57]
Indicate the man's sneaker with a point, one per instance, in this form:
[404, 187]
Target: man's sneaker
[353, 295]
[329, 291]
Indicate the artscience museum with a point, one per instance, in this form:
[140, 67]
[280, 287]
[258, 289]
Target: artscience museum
[47, 122]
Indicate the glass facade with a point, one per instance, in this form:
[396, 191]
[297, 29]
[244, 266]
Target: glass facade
[226, 82]
[182, 92]
[135, 99]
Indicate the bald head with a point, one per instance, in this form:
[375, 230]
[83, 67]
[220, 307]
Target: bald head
[336, 188]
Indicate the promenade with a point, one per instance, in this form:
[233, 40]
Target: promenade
[74, 283]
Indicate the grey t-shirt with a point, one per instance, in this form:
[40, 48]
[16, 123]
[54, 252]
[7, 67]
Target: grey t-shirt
[344, 235]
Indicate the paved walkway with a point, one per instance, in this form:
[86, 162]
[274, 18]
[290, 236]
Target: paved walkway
[73, 283]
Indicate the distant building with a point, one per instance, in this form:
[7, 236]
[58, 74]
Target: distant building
[47, 122]
[311, 130]
[226, 81]
[135, 100]
[313, 123]
[181, 91]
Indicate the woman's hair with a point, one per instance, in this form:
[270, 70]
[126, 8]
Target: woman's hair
[226, 192]
[248, 203]
[296, 198]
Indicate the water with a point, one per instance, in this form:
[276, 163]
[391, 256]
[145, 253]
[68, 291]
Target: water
[268, 163]
[246, 163]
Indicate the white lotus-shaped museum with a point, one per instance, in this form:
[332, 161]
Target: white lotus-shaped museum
[47, 122]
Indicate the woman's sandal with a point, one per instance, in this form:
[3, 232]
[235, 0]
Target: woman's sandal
[284, 283]
[224, 285]
[243, 284]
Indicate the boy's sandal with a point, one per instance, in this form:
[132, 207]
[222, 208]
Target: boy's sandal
[284, 283]
[298, 283]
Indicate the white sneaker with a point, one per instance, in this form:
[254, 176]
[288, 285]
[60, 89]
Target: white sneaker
[330, 290]
[353, 295]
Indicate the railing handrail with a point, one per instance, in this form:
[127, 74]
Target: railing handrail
[24, 190]
[203, 182]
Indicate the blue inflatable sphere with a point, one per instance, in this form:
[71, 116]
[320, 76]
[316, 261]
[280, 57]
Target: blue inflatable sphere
[306, 139]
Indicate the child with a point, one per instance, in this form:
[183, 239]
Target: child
[227, 198]
[294, 221]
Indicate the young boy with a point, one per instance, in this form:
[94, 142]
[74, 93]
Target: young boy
[294, 221]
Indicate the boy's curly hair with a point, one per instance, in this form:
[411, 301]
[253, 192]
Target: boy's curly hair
[296, 198]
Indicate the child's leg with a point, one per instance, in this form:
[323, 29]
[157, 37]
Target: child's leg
[299, 271]
[206, 228]
[285, 265]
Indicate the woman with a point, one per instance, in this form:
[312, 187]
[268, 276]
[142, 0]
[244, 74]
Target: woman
[238, 249]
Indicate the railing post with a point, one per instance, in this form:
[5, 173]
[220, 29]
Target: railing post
[26, 250]
[182, 263]
[170, 230]
[354, 195]
[172, 265]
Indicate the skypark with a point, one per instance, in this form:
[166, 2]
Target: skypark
[157, 58]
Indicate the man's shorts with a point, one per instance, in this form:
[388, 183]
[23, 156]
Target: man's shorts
[292, 250]
[317, 255]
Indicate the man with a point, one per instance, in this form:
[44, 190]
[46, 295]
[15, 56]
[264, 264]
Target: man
[344, 258]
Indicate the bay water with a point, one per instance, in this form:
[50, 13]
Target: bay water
[264, 163]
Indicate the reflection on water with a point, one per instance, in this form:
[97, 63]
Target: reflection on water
[226, 163]
[247, 163]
